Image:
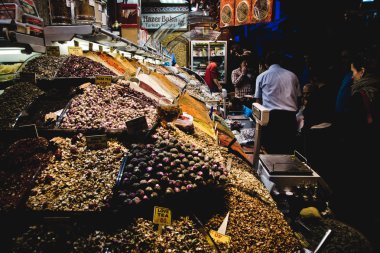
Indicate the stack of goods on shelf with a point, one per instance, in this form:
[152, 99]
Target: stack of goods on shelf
[44, 66]
[14, 100]
[78, 178]
[77, 66]
[108, 107]
[7, 71]
[19, 165]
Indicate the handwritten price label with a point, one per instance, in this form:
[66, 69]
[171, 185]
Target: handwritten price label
[75, 51]
[220, 238]
[103, 80]
[96, 141]
[162, 216]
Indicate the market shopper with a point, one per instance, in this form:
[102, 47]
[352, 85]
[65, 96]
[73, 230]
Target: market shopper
[242, 80]
[212, 75]
[278, 90]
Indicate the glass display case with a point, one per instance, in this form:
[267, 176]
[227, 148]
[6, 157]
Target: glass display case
[203, 51]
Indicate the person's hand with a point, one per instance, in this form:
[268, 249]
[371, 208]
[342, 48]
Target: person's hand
[244, 70]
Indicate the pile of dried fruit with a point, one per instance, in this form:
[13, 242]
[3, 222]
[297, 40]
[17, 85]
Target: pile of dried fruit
[77, 178]
[18, 166]
[138, 236]
[182, 236]
[77, 66]
[108, 107]
[44, 66]
[167, 167]
[254, 226]
[14, 100]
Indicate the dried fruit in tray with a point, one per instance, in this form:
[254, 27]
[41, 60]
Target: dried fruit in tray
[19, 165]
[14, 100]
[164, 168]
[77, 66]
[44, 66]
[78, 178]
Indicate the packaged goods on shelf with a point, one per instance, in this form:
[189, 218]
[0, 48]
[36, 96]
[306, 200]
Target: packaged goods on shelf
[14, 100]
[108, 108]
[44, 66]
[77, 66]
[78, 178]
[20, 164]
[60, 12]
[84, 11]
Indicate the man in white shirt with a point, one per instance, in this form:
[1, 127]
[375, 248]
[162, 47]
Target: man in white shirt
[278, 90]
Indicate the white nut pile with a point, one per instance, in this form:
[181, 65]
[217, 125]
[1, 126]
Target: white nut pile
[108, 107]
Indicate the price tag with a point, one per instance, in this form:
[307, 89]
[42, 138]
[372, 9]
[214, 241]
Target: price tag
[75, 51]
[29, 131]
[103, 80]
[28, 77]
[53, 51]
[162, 216]
[136, 125]
[220, 238]
[96, 141]
[91, 2]
[101, 49]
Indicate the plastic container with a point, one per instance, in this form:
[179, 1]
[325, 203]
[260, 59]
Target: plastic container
[84, 11]
[60, 12]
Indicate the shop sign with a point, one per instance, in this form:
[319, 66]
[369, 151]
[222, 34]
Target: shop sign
[162, 216]
[96, 141]
[153, 21]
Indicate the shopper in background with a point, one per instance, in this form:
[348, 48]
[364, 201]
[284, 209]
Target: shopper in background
[212, 75]
[242, 80]
[365, 100]
[308, 115]
[278, 90]
[357, 158]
